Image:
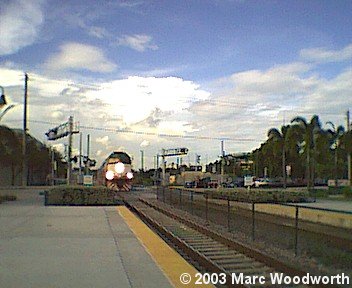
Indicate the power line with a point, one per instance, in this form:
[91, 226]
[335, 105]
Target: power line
[164, 135]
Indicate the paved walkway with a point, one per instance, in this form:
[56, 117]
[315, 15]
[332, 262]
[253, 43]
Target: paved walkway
[47, 247]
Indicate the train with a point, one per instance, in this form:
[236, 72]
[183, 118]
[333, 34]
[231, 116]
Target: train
[116, 172]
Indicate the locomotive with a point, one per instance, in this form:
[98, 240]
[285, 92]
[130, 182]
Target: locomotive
[116, 172]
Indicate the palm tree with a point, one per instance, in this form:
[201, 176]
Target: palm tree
[280, 137]
[309, 133]
[335, 134]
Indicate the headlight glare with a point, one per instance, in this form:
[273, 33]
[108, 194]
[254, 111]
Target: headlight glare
[109, 175]
[119, 167]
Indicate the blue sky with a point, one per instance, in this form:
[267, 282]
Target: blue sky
[216, 69]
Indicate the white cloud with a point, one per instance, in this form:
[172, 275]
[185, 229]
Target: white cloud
[138, 42]
[98, 32]
[20, 22]
[250, 103]
[57, 115]
[102, 140]
[130, 3]
[322, 55]
[134, 99]
[279, 80]
[145, 143]
[76, 56]
[256, 100]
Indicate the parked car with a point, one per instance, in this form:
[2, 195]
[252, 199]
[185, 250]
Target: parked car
[261, 182]
[239, 182]
[190, 184]
[213, 184]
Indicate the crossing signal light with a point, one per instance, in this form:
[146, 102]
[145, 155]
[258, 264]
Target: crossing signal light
[74, 159]
[2, 100]
[52, 134]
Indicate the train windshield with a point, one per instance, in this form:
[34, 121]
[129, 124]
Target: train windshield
[121, 157]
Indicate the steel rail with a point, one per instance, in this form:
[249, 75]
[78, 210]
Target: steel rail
[231, 243]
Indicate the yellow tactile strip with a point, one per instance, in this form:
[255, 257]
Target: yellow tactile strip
[170, 262]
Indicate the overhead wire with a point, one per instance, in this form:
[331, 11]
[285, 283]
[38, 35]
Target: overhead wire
[145, 133]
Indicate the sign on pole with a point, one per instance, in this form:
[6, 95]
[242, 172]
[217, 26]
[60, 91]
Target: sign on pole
[88, 180]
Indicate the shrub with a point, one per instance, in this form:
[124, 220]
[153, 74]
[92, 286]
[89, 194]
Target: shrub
[347, 192]
[7, 198]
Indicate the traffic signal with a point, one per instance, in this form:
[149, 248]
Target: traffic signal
[198, 157]
[52, 134]
[74, 159]
[2, 100]
[92, 162]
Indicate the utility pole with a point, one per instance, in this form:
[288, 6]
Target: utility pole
[86, 172]
[80, 159]
[142, 160]
[157, 169]
[88, 145]
[349, 154]
[24, 138]
[69, 164]
[222, 159]
[163, 181]
[52, 166]
[222, 148]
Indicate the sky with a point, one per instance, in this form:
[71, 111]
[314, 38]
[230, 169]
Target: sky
[151, 75]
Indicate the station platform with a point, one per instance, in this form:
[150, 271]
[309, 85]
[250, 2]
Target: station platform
[77, 247]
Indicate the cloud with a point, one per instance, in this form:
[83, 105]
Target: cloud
[58, 115]
[130, 3]
[19, 25]
[322, 55]
[243, 107]
[256, 100]
[76, 56]
[135, 99]
[155, 117]
[98, 32]
[138, 42]
[102, 140]
[145, 143]
[278, 80]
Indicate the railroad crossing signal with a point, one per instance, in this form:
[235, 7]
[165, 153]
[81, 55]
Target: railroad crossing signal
[60, 131]
[168, 153]
[89, 162]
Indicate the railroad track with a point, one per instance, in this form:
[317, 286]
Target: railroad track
[212, 251]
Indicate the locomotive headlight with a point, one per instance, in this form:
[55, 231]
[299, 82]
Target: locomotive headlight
[109, 175]
[129, 175]
[119, 167]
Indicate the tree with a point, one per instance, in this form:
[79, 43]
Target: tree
[335, 135]
[10, 151]
[280, 137]
[310, 131]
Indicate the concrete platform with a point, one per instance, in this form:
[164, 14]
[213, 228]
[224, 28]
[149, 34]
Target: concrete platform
[47, 247]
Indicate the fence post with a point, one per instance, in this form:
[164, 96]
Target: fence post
[192, 202]
[206, 207]
[163, 194]
[253, 221]
[170, 191]
[157, 193]
[180, 198]
[296, 232]
[228, 213]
